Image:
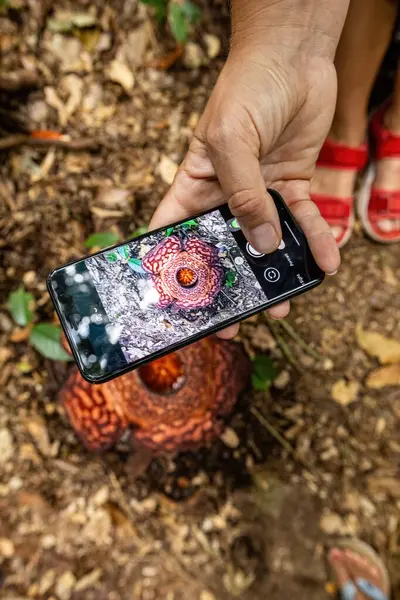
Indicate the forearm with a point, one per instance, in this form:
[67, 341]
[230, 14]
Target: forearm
[313, 26]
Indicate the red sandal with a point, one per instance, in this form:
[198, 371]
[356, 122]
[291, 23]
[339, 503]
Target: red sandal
[338, 212]
[376, 207]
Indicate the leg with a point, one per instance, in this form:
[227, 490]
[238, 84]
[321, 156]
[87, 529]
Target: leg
[363, 44]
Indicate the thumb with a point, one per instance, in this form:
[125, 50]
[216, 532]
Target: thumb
[238, 171]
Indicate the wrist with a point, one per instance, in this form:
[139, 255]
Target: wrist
[311, 27]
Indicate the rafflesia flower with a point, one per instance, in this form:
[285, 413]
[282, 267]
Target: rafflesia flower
[174, 403]
[185, 274]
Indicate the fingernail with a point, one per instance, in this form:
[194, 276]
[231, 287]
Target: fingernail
[264, 238]
[333, 273]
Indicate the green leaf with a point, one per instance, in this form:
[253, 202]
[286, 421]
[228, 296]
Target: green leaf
[103, 239]
[46, 339]
[160, 7]
[140, 231]
[179, 23]
[189, 224]
[135, 261]
[112, 257]
[191, 11]
[169, 231]
[19, 303]
[264, 372]
[230, 278]
[124, 252]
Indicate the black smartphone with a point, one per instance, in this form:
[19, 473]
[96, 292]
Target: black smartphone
[135, 302]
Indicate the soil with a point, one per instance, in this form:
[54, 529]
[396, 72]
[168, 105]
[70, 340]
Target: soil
[315, 459]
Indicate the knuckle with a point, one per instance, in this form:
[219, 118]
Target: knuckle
[219, 134]
[245, 203]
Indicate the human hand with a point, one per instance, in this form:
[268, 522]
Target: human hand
[263, 126]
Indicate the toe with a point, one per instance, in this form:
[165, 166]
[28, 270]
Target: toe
[337, 563]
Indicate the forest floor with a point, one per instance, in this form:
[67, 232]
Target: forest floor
[316, 459]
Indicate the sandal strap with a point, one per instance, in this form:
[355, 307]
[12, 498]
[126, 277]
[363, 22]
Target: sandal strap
[348, 591]
[384, 204]
[336, 211]
[387, 144]
[341, 156]
[369, 590]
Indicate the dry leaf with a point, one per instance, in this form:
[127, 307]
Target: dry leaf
[387, 350]
[20, 335]
[120, 73]
[110, 197]
[384, 376]
[55, 102]
[384, 485]
[345, 392]
[167, 169]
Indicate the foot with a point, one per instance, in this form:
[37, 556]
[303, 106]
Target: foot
[338, 183]
[351, 569]
[341, 158]
[388, 169]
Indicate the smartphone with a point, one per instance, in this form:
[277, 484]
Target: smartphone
[130, 304]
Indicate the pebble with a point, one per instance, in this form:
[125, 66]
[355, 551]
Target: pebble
[331, 523]
[88, 580]
[230, 438]
[6, 548]
[205, 595]
[193, 56]
[6, 446]
[282, 380]
[47, 581]
[65, 585]
[213, 45]
[29, 278]
[48, 541]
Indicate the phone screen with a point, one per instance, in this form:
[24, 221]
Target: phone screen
[136, 301]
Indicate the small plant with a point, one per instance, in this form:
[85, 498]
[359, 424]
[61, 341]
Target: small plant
[140, 231]
[44, 337]
[102, 239]
[263, 373]
[180, 14]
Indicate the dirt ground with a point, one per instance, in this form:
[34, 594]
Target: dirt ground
[316, 459]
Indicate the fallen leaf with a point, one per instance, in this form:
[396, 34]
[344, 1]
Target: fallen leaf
[387, 350]
[55, 102]
[64, 21]
[133, 50]
[167, 169]
[389, 276]
[38, 430]
[73, 85]
[120, 73]
[384, 376]
[20, 335]
[110, 197]
[345, 392]
[383, 485]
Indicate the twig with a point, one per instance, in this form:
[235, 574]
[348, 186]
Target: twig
[13, 82]
[168, 558]
[279, 438]
[299, 340]
[273, 431]
[14, 141]
[283, 346]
